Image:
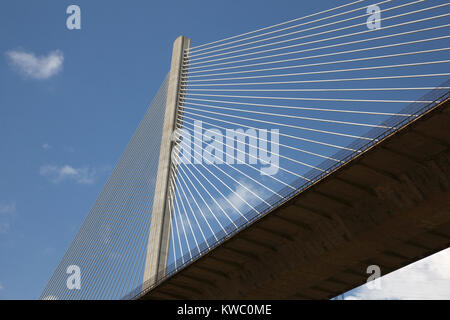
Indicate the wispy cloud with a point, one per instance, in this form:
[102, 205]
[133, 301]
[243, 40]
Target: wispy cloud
[244, 197]
[6, 213]
[57, 174]
[46, 146]
[425, 279]
[226, 207]
[69, 149]
[36, 67]
[7, 208]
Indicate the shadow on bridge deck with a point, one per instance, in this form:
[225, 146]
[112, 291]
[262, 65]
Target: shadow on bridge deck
[388, 207]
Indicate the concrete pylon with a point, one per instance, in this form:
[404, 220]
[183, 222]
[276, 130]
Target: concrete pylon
[159, 237]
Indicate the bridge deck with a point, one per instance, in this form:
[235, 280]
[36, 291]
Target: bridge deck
[320, 243]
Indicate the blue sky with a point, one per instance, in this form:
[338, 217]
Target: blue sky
[87, 112]
[63, 129]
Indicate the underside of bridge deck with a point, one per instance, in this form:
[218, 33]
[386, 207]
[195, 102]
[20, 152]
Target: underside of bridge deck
[388, 207]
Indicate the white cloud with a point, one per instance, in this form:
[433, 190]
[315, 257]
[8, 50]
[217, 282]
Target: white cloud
[7, 208]
[242, 197]
[46, 146]
[6, 213]
[56, 174]
[32, 66]
[428, 278]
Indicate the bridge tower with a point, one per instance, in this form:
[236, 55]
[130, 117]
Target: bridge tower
[160, 228]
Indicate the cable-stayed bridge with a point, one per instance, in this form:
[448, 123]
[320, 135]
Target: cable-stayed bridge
[280, 163]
